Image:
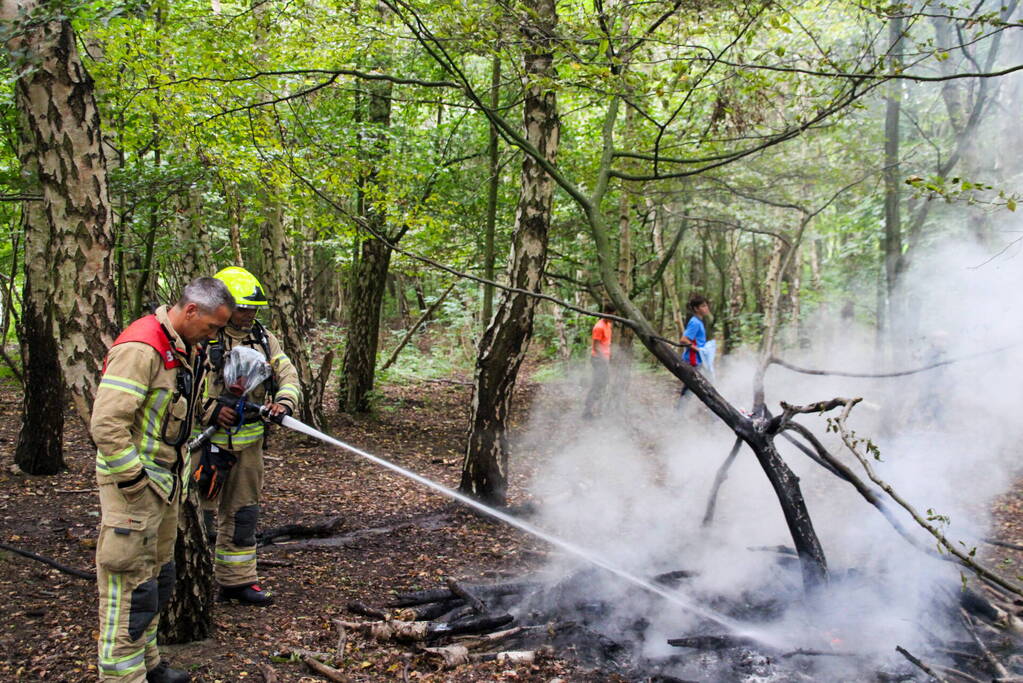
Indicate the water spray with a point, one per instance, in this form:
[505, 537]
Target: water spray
[669, 595]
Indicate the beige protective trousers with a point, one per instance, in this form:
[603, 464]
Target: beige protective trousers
[237, 512]
[135, 575]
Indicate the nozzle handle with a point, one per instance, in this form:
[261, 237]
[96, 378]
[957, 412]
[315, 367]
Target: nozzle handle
[197, 443]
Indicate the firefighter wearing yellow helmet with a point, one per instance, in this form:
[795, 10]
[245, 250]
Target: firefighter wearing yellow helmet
[239, 441]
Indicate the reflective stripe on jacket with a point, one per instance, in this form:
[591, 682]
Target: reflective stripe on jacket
[136, 403]
[289, 390]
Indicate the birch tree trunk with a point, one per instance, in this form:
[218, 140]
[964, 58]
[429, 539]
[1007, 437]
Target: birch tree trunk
[188, 616]
[504, 343]
[55, 95]
[279, 275]
[40, 441]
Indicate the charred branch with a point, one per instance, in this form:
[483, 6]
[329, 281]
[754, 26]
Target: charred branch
[465, 594]
[719, 479]
[919, 664]
[364, 610]
[79, 573]
[327, 527]
[720, 642]
[433, 595]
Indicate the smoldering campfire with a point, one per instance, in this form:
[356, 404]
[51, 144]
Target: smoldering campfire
[523, 621]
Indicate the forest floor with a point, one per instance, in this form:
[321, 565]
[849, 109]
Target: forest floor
[398, 536]
[414, 540]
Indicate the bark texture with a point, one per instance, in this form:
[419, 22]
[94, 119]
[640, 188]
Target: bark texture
[188, 616]
[286, 299]
[56, 97]
[504, 343]
[40, 441]
[369, 274]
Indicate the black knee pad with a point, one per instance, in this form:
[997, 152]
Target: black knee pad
[165, 584]
[145, 604]
[245, 521]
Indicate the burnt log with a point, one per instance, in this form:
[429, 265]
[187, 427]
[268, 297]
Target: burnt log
[469, 625]
[362, 609]
[327, 527]
[458, 613]
[431, 611]
[673, 578]
[467, 595]
[422, 597]
[979, 606]
[722, 642]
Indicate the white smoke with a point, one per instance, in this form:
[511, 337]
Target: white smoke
[632, 485]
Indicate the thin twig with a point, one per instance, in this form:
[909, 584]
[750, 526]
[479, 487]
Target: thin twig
[996, 665]
[918, 664]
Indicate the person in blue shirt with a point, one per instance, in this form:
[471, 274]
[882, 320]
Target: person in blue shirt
[694, 339]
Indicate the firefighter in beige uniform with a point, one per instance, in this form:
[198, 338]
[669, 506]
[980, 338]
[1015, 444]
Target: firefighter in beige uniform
[237, 504]
[140, 420]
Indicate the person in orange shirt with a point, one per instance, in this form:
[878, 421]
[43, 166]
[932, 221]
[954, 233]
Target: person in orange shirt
[600, 359]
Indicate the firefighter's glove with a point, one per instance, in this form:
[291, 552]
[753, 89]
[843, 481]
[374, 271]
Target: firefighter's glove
[276, 412]
[132, 489]
[225, 416]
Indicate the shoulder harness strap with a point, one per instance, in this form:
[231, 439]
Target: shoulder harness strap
[148, 330]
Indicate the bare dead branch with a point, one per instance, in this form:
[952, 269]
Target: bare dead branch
[81, 574]
[774, 360]
[328, 672]
[719, 479]
[965, 559]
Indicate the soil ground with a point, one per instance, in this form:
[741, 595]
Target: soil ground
[48, 623]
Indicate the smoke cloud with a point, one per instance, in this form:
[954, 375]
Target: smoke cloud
[632, 485]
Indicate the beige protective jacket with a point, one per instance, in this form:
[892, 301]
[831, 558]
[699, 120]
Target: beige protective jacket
[138, 409]
[284, 374]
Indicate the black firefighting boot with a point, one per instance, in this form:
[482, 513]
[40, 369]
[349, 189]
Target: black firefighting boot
[164, 674]
[249, 594]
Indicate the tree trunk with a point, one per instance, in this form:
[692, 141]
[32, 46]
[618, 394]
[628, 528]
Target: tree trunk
[737, 297]
[188, 616]
[359, 364]
[504, 343]
[369, 273]
[670, 283]
[55, 95]
[194, 260]
[493, 185]
[40, 447]
[622, 336]
[892, 241]
[279, 275]
[145, 274]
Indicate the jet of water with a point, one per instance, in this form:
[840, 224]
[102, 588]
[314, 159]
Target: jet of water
[671, 596]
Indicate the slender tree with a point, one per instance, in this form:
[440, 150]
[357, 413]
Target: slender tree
[504, 343]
